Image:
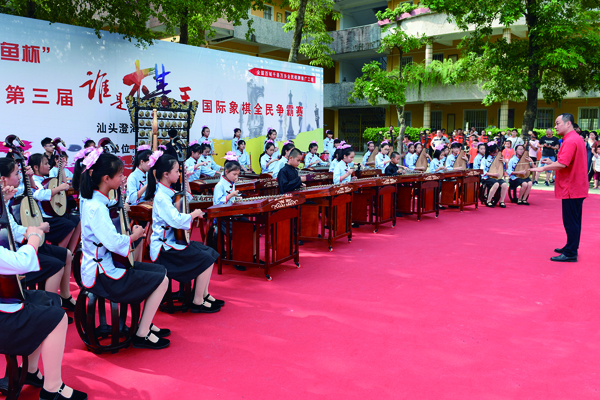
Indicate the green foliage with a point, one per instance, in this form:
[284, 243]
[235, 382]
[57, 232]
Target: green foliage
[373, 133]
[315, 38]
[394, 14]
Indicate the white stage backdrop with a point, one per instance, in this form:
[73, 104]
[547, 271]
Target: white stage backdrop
[62, 81]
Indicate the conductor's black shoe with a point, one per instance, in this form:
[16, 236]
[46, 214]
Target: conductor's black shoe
[145, 343]
[161, 332]
[77, 395]
[239, 267]
[195, 308]
[216, 302]
[32, 379]
[559, 251]
[66, 303]
[563, 258]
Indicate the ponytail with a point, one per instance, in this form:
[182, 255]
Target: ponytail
[107, 164]
[165, 163]
[140, 156]
[267, 147]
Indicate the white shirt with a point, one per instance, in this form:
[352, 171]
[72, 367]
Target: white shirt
[263, 163]
[20, 262]
[41, 194]
[380, 161]
[340, 169]
[282, 161]
[135, 181]
[222, 189]
[190, 165]
[310, 157]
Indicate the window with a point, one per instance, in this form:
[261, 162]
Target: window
[545, 118]
[476, 118]
[588, 118]
[439, 57]
[287, 15]
[436, 120]
[406, 61]
[268, 12]
[511, 119]
[408, 118]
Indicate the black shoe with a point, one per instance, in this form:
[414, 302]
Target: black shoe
[563, 258]
[66, 303]
[552, 181]
[195, 308]
[239, 267]
[546, 183]
[398, 215]
[559, 251]
[139, 342]
[520, 202]
[501, 205]
[525, 203]
[216, 302]
[160, 333]
[355, 225]
[442, 208]
[300, 243]
[32, 379]
[77, 395]
[69, 320]
[489, 204]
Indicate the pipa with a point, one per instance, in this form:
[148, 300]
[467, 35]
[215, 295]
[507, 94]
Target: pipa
[459, 163]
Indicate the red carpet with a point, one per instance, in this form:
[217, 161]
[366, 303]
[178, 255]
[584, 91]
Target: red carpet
[466, 306]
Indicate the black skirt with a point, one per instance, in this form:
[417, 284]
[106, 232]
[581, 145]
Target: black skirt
[23, 331]
[185, 265]
[60, 227]
[132, 288]
[489, 182]
[515, 183]
[52, 259]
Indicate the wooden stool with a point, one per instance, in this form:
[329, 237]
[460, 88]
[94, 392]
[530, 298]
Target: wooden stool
[180, 301]
[12, 383]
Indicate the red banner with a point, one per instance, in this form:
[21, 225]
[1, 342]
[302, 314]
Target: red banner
[267, 73]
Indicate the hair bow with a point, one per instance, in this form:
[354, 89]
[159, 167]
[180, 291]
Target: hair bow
[313, 142]
[328, 132]
[269, 129]
[154, 158]
[91, 158]
[204, 126]
[345, 146]
[144, 147]
[454, 142]
[440, 147]
[231, 156]
[82, 153]
[493, 142]
[385, 142]
[287, 142]
[369, 142]
[162, 146]
[409, 143]
[86, 139]
[269, 141]
[205, 142]
[193, 142]
[479, 144]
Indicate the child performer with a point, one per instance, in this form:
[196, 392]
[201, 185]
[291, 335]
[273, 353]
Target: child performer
[336, 144]
[99, 240]
[394, 165]
[480, 157]
[183, 262]
[455, 148]
[287, 147]
[272, 136]
[243, 156]
[205, 139]
[437, 164]
[37, 326]
[49, 151]
[382, 159]
[54, 171]
[312, 158]
[493, 181]
[370, 149]
[328, 142]
[64, 230]
[237, 134]
[137, 181]
[191, 164]
[343, 169]
[410, 159]
[207, 165]
[288, 178]
[517, 179]
[268, 161]
[88, 143]
[418, 150]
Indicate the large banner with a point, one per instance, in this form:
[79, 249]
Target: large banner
[62, 81]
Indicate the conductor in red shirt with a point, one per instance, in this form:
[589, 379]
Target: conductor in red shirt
[571, 184]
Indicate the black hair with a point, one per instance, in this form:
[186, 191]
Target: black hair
[337, 154]
[267, 146]
[411, 145]
[165, 163]
[566, 117]
[89, 143]
[310, 146]
[195, 148]
[517, 147]
[241, 141]
[489, 149]
[344, 152]
[394, 154]
[294, 152]
[328, 132]
[46, 141]
[140, 156]
[7, 166]
[479, 145]
[456, 145]
[287, 148]
[106, 165]
[383, 144]
[204, 128]
[77, 170]
[232, 166]
[337, 141]
[172, 133]
[236, 130]
[437, 154]
[35, 160]
[204, 147]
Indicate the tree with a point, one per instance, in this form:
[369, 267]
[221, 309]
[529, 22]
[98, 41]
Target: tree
[310, 31]
[556, 56]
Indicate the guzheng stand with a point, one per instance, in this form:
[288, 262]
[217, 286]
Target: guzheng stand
[419, 195]
[374, 203]
[277, 217]
[334, 204]
[461, 188]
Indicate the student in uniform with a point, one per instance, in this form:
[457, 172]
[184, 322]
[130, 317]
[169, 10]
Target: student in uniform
[518, 180]
[394, 165]
[437, 164]
[480, 157]
[137, 181]
[493, 181]
[382, 159]
[343, 168]
[243, 156]
[410, 159]
[287, 147]
[192, 164]
[288, 178]
[207, 165]
[328, 142]
[370, 150]
[418, 150]
[237, 134]
[312, 159]
[88, 143]
[336, 144]
[455, 148]
[183, 262]
[37, 326]
[272, 137]
[205, 139]
[268, 161]
[49, 151]
[100, 240]
[65, 160]
[64, 230]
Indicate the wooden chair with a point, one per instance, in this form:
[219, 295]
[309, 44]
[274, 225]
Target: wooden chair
[178, 301]
[12, 383]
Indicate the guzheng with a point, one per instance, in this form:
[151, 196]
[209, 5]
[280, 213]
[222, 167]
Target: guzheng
[201, 202]
[141, 212]
[318, 168]
[460, 163]
[254, 205]
[312, 192]
[366, 172]
[315, 177]
[375, 201]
